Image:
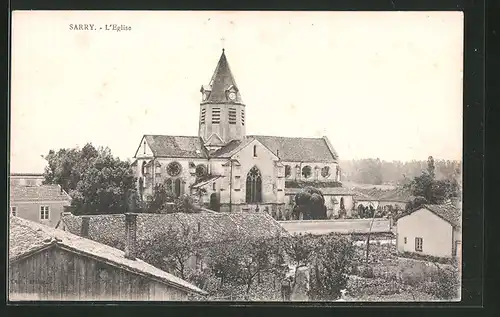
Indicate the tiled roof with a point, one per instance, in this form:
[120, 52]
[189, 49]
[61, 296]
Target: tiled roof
[38, 193]
[298, 149]
[26, 236]
[396, 195]
[287, 148]
[448, 212]
[206, 181]
[358, 196]
[333, 191]
[26, 174]
[221, 80]
[176, 146]
[214, 227]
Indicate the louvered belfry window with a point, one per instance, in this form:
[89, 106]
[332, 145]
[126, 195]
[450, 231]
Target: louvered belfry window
[242, 117]
[203, 113]
[232, 116]
[215, 115]
[254, 186]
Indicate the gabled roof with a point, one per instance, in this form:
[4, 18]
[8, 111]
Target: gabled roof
[221, 81]
[214, 227]
[447, 212]
[27, 237]
[176, 146]
[286, 148]
[38, 193]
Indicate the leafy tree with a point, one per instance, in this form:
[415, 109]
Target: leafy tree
[171, 249]
[331, 266]
[97, 182]
[311, 203]
[432, 190]
[300, 249]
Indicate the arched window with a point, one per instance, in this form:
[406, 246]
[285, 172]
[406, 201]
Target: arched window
[177, 190]
[254, 186]
[306, 171]
[168, 185]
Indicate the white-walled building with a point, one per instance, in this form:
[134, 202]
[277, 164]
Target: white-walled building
[433, 230]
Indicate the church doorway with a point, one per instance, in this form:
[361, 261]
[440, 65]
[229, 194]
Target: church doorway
[214, 202]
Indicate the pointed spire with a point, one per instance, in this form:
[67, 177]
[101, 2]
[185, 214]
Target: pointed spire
[222, 82]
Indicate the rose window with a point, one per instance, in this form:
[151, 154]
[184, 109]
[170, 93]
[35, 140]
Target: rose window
[174, 169]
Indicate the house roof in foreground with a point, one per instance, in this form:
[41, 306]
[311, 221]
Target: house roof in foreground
[27, 237]
[213, 227]
[38, 193]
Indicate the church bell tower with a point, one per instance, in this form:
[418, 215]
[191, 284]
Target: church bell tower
[222, 112]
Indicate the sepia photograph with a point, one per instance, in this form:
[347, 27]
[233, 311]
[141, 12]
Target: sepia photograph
[236, 156]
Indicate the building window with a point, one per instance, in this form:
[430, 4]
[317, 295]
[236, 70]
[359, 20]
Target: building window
[242, 117]
[144, 170]
[405, 240]
[288, 171]
[215, 115]
[144, 145]
[13, 211]
[169, 185]
[44, 213]
[254, 186]
[419, 244]
[203, 114]
[306, 171]
[174, 169]
[325, 171]
[232, 116]
[255, 151]
[213, 186]
[177, 185]
[237, 183]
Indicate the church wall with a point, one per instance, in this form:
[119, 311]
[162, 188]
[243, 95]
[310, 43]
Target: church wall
[316, 167]
[160, 173]
[332, 207]
[265, 162]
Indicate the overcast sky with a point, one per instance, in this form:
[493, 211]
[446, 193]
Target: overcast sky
[386, 85]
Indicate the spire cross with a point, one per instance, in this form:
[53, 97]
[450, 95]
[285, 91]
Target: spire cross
[222, 40]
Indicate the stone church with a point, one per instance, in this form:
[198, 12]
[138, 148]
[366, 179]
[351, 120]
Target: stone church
[225, 168]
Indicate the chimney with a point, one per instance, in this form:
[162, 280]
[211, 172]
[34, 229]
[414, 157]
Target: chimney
[130, 236]
[84, 232]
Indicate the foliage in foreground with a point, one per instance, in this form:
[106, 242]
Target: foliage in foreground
[96, 181]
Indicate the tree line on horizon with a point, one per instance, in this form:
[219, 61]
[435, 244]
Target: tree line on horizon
[377, 172]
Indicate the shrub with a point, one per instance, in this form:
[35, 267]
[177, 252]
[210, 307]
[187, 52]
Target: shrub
[367, 272]
[330, 267]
